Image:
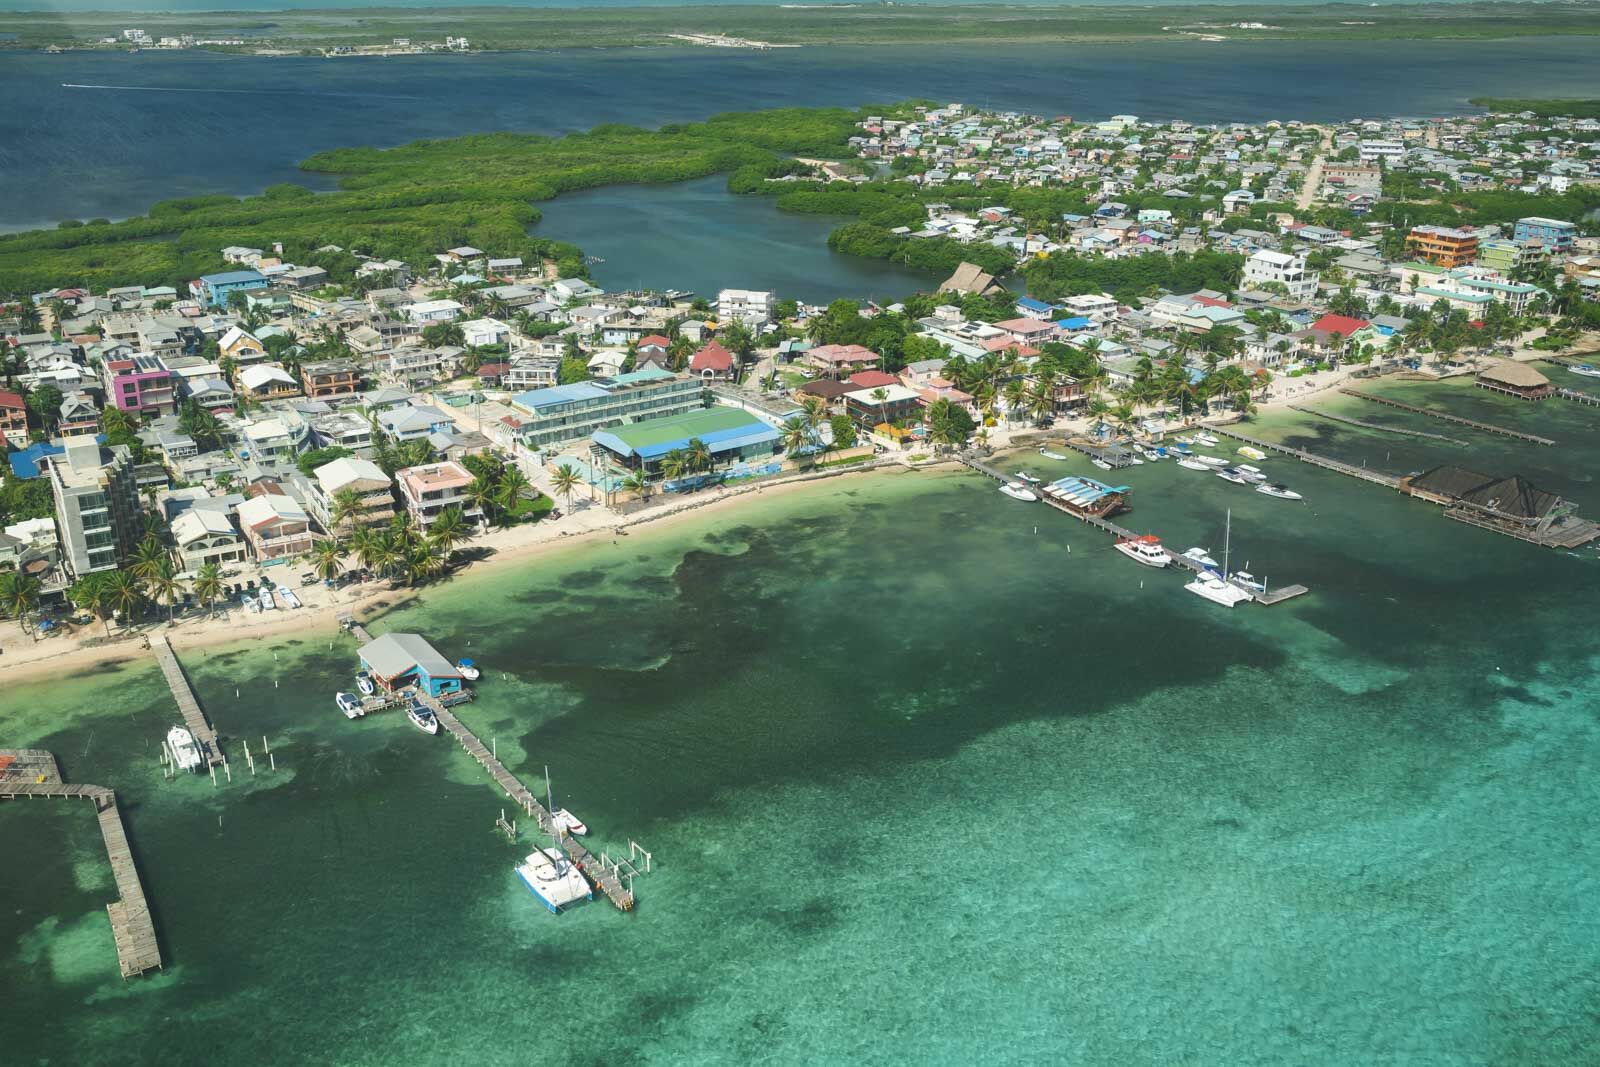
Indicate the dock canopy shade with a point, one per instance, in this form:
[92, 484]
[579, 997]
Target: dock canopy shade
[393, 657]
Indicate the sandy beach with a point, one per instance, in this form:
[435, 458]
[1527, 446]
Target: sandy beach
[24, 659]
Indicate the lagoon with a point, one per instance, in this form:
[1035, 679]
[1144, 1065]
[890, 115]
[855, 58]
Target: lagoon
[929, 776]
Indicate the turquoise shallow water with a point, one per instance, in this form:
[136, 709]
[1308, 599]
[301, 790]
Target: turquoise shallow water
[923, 784]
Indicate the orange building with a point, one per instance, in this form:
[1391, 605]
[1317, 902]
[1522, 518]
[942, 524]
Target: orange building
[1442, 246]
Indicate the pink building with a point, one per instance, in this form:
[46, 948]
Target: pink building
[141, 384]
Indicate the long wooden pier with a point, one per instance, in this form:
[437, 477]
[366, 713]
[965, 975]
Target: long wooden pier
[1375, 426]
[34, 773]
[188, 705]
[1389, 481]
[1578, 396]
[607, 877]
[1121, 532]
[1531, 438]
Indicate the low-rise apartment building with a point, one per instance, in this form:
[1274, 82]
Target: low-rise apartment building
[569, 412]
[432, 488]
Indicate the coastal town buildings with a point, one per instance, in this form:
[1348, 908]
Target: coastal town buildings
[97, 510]
[429, 490]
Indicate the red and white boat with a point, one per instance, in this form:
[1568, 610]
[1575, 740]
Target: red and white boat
[568, 823]
[1145, 549]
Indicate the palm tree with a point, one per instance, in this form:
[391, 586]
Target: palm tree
[514, 485]
[814, 410]
[636, 482]
[327, 559]
[19, 595]
[164, 585]
[347, 506]
[796, 436]
[124, 594]
[566, 480]
[448, 530]
[149, 559]
[699, 454]
[208, 585]
[674, 464]
[483, 494]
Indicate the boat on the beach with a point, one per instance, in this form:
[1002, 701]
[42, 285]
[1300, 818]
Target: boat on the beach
[552, 877]
[350, 704]
[249, 602]
[1145, 549]
[265, 597]
[1193, 463]
[1234, 475]
[1200, 556]
[288, 597]
[568, 823]
[184, 748]
[469, 670]
[422, 717]
[1251, 452]
[1282, 492]
[365, 684]
[1047, 454]
[1018, 491]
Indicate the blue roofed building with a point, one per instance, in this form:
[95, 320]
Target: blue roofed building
[561, 413]
[214, 289]
[731, 434]
[399, 661]
[25, 461]
[1556, 235]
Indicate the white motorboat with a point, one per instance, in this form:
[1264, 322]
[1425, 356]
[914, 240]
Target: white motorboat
[1200, 556]
[552, 877]
[288, 597]
[1018, 491]
[469, 669]
[1193, 463]
[265, 597]
[1146, 549]
[1135, 460]
[185, 749]
[1214, 462]
[1251, 452]
[422, 717]
[365, 684]
[250, 603]
[1586, 370]
[1211, 586]
[1098, 462]
[569, 823]
[1234, 475]
[1154, 455]
[1282, 492]
[350, 704]
[1024, 476]
[1246, 580]
[1204, 438]
[1047, 454]
[1253, 474]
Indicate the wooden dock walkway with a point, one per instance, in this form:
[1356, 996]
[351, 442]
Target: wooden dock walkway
[1531, 438]
[1389, 481]
[188, 704]
[1578, 396]
[1121, 532]
[1375, 426]
[606, 877]
[349, 623]
[33, 773]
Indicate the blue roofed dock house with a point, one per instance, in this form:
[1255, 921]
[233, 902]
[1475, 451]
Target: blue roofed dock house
[397, 661]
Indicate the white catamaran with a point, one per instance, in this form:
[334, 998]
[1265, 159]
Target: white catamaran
[1210, 585]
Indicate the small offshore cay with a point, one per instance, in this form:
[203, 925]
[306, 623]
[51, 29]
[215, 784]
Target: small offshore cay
[31, 773]
[386, 664]
[1093, 503]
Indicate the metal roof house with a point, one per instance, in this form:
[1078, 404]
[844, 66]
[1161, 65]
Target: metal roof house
[400, 660]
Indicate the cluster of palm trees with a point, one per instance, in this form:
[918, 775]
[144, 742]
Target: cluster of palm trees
[399, 550]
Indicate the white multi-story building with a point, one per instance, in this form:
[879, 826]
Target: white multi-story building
[1096, 306]
[1266, 267]
[1382, 151]
[749, 306]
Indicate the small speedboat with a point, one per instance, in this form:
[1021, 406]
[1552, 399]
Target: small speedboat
[1234, 475]
[422, 717]
[365, 684]
[1047, 454]
[469, 670]
[267, 603]
[1018, 491]
[1193, 463]
[350, 704]
[1282, 492]
[1024, 476]
[1146, 549]
[1246, 580]
[1206, 439]
[1251, 452]
[185, 749]
[1154, 455]
[569, 823]
[1214, 462]
[1098, 462]
[1587, 370]
[1200, 556]
[1253, 474]
[1135, 460]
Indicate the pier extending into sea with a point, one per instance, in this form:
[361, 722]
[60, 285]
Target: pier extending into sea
[1389, 481]
[34, 773]
[1099, 522]
[1486, 427]
[1346, 420]
[188, 705]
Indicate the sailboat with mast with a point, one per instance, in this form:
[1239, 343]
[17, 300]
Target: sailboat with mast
[1210, 585]
[550, 874]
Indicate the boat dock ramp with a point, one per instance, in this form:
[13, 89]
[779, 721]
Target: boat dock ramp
[1100, 522]
[34, 773]
[188, 705]
[1531, 438]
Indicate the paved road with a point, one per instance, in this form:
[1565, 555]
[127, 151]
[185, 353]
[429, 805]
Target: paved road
[1313, 182]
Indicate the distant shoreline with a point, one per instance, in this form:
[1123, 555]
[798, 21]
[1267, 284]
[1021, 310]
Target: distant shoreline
[750, 28]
